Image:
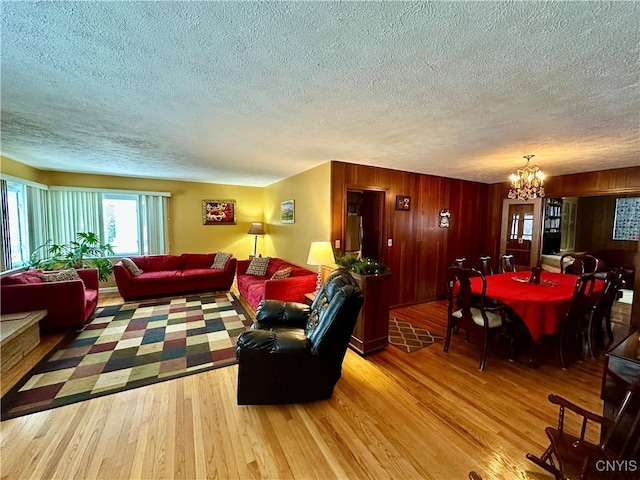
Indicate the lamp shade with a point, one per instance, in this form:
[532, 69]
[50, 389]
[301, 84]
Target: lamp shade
[256, 228]
[320, 253]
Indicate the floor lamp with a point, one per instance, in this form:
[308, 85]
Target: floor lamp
[256, 229]
[320, 253]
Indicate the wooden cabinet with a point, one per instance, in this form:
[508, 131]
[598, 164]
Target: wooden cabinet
[371, 332]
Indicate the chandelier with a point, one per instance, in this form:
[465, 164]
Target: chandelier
[527, 182]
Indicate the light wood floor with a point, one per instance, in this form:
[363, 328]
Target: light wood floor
[394, 415]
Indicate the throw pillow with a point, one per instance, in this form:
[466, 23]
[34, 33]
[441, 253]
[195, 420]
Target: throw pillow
[221, 260]
[60, 276]
[284, 273]
[131, 266]
[258, 266]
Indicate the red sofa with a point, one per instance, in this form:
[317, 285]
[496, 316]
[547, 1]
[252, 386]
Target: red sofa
[292, 289]
[173, 274]
[69, 304]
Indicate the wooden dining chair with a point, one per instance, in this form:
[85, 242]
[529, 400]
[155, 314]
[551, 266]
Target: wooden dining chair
[571, 456]
[469, 311]
[601, 311]
[506, 264]
[485, 265]
[572, 331]
[577, 264]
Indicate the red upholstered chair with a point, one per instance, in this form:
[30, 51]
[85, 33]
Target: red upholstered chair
[69, 304]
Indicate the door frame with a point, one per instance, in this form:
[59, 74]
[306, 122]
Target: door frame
[536, 241]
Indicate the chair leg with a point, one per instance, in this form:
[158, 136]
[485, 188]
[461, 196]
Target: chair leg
[447, 339]
[607, 319]
[542, 463]
[485, 346]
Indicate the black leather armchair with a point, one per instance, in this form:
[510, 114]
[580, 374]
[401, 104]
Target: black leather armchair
[294, 353]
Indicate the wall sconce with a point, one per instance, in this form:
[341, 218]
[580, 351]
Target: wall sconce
[445, 215]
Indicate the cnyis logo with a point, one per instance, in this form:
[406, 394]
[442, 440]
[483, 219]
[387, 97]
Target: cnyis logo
[621, 466]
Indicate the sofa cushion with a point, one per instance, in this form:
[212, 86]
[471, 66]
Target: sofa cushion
[157, 263]
[283, 273]
[30, 276]
[197, 260]
[258, 266]
[60, 276]
[131, 266]
[158, 276]
[221, 260]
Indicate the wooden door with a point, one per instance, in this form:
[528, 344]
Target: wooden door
[520, 233]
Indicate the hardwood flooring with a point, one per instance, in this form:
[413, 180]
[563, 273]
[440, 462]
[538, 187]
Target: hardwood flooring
[394, 415]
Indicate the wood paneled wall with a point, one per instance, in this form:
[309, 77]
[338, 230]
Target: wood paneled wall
[592, 236]
[421, 250]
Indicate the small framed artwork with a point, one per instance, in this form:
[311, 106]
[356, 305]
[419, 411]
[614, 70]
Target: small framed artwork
[403, 203]
[218, 212]
[287, 211]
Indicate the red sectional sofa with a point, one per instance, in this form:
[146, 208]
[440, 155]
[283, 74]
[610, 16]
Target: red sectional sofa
[292, 289]
[172, 275]
[69, 304]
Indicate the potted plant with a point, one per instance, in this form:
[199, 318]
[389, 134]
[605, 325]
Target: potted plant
[85, 252]
[362, 266]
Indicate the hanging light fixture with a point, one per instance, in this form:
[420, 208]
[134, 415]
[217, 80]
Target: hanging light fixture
[528, 182]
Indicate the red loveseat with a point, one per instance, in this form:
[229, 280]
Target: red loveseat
[69, 304]
[292, 289]
[172, 275]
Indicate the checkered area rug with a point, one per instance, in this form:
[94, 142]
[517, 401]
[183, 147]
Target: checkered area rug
[405, 336]
[132, 345]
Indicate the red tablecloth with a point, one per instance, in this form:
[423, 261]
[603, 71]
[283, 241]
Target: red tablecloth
[541, 307]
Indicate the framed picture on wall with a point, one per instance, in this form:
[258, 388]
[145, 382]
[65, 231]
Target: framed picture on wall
[403, 202]
[287, 211]
[218, 212]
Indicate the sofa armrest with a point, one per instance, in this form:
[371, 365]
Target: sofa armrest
[61, 300]
[291, 289]
[277, 312]
[90, 277]
[265, 341]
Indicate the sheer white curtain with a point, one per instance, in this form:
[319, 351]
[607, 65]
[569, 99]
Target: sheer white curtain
[38, 220]
[71, 212]
[152, 223]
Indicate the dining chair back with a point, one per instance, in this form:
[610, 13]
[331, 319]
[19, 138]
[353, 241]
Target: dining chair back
[469, 311]
[460, 262]
[485, 265]
[601, 311]
[577, 264]
[573, 327]
[507, 264]
[572, 456]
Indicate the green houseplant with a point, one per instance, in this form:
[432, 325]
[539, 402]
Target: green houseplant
[86, 251]
[362, 266]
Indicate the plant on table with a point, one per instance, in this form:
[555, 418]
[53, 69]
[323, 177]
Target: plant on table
[86, 251]
[362, 266]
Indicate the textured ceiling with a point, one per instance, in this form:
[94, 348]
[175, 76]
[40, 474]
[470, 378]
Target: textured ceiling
[252, 92]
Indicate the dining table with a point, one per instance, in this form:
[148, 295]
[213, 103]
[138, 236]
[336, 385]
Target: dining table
[540, 306]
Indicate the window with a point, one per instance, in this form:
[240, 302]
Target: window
[626, 224]
[18, 229]
[121, 226]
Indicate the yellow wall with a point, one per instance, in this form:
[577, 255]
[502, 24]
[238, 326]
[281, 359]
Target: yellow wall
[311, 192]
[20, 170]
[186, 231]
